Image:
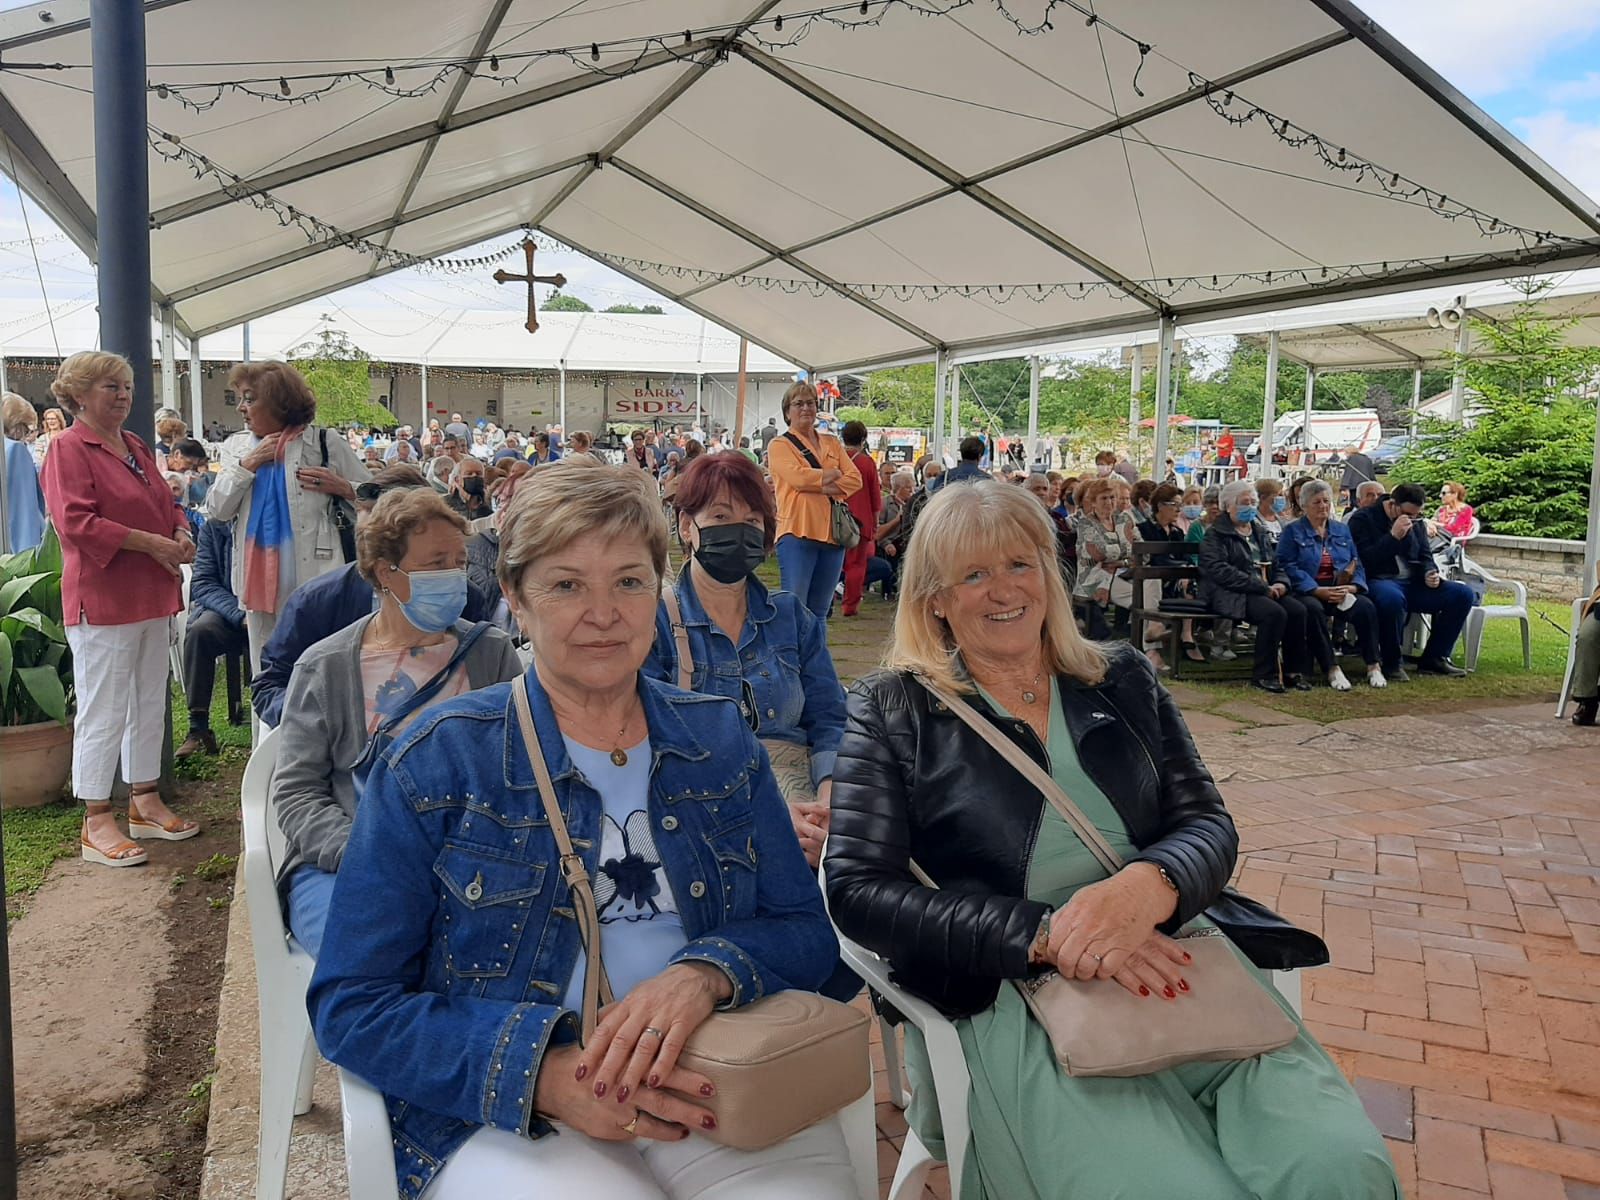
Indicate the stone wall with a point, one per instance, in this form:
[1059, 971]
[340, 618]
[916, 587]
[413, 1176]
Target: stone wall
[1549, 566]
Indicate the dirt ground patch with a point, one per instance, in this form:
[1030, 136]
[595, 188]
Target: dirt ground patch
[115, 978]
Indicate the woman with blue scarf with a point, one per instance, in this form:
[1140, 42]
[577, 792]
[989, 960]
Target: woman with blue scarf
[352, 692]
[287, 494]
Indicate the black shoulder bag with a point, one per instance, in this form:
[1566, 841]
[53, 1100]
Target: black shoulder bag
[340, 511]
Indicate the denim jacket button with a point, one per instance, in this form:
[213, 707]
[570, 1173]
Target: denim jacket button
[697, 889]
[669, 823]
[772, 712]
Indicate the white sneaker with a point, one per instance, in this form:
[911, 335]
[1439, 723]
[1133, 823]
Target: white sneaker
[1375, 677]
[1337, 681]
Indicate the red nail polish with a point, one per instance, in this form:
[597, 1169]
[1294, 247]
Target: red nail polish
[1183, 985]
[583, 1069]
[1187, 957]
[1171, 995]
[600, 1088]
[707, 1090]
[655, 1081]
[622, 1093]
[1143, 991]
[708, 1121]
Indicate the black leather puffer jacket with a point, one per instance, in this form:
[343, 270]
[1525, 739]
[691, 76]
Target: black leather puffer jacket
[913, 781]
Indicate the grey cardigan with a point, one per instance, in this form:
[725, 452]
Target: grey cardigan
[323, 735]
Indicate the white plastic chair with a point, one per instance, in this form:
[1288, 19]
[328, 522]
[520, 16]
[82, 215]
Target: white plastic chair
[180, 625]
[1480, 613]
[1572, 657]
[369, 1144]
[283, 972]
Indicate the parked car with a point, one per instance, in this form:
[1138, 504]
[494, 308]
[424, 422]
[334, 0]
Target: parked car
[1389, 451]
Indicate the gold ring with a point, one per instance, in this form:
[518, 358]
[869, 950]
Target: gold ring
[633, 1125]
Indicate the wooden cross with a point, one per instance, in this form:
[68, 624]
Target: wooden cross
[559, 281]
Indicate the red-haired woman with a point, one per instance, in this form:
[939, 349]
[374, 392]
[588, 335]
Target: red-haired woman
[764, 650]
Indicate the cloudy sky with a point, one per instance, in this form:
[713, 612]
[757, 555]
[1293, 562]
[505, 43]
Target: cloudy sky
[1534, 65]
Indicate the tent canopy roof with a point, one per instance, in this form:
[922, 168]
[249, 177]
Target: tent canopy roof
[902, 148]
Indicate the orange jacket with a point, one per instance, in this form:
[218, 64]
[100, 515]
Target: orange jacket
[802, 508]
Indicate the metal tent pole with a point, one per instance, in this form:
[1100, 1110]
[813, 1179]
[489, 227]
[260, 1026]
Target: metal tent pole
[1269, 412]
[699, 383]
[122, 194]
[1591, 544]
[936, 447]
[1311, 391]
[197, 389]
[1135, 386]
[169, 361]
[423, 427]
[247, 341]
[4, 386]
[738, 414]
[1416, 399]
[561, 403]
[1033, 407]
[1167, 343]
[955, 403]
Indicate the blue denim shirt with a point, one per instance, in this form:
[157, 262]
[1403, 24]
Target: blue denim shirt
[782, 655]
[451, 934]
[1300, 553]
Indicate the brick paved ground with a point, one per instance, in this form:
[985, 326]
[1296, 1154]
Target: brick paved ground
[1452, 862]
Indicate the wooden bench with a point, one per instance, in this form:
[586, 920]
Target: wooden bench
[1169, 611]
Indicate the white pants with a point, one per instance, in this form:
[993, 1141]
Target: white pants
[120, 673]
[259, 627]
[812, 1165]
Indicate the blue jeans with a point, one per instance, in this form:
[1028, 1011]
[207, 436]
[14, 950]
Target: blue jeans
[1398, 599]
[810, 570]
[310, 888]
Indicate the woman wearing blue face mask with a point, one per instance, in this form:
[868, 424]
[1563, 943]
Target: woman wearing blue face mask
[352, 692]
[719, 630]
[1240, 578]
[1274, 506]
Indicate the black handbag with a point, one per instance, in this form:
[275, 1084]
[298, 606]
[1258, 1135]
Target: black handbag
[340, 511]
[1267, 940]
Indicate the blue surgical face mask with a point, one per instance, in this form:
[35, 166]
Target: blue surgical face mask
[1193, 512]
[1247, 515]
[437, 599]
[1279, 504]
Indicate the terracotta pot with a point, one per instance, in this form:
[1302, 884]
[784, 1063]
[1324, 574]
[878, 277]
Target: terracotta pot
[35, 761]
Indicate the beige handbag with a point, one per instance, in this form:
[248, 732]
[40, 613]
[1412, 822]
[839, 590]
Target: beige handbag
[779, 1065]
[1097, 1026]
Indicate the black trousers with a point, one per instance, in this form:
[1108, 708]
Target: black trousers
[1363, 618]
[1280, 625]
[206, 638]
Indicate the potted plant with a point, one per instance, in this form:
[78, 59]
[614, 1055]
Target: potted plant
[35, 678]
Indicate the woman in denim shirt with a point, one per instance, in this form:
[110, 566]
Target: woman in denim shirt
[779, 670]
[452, 963]
[1319, 556]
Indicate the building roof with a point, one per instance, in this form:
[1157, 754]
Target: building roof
[805, 186]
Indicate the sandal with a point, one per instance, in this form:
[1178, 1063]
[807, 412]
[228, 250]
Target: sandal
[123, 854]
[1193, 653]
[176, 830]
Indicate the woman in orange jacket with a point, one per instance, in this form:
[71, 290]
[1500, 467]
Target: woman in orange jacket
[810, 470]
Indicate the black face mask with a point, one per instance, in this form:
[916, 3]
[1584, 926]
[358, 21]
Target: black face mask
[472, 485]
[729, 553]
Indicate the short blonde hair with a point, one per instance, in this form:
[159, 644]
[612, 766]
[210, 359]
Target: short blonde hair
[170, 427]
[557, 503]
[794, 392]
[384, 534]
[81, 371]
[17, 417]
[996, 517]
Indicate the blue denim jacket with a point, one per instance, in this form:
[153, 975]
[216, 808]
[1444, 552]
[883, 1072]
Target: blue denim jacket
[451, 935]
[1300, 553]
[782, 655]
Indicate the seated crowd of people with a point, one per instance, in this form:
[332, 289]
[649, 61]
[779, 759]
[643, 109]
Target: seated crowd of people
[674, 755]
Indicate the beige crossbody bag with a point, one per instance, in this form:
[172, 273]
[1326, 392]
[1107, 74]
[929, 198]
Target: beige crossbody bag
[1097, 1026]
[779, 1065]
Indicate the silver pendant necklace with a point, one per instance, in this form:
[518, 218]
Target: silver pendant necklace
[1028, 697]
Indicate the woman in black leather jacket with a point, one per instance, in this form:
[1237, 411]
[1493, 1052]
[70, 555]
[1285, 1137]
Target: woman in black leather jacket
[983, 614]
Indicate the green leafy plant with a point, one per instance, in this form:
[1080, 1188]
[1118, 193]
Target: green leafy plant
[35, 662]
[339, 374]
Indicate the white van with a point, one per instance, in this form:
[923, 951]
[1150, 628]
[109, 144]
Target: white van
[1358, 427]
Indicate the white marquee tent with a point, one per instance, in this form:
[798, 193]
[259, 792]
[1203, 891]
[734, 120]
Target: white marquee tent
[686, 141]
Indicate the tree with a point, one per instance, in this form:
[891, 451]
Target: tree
[559, 301]
[1525, 461]
[649, 310]
[339, 374]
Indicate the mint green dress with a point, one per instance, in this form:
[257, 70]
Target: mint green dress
[1284, 1126]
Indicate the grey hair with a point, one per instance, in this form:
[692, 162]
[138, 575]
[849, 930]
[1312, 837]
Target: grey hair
[1368, 486]
[1315, 487]
[456, 471]
[1212, 495]
[902, 476]
[1232, 491]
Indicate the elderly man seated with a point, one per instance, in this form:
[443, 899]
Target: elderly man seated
[1393, 543]
[215, 629]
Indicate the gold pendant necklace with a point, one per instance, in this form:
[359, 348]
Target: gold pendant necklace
[619, 756]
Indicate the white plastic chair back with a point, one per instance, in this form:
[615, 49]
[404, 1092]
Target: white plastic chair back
[283, 972]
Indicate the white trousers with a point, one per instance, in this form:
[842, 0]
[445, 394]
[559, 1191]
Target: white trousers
[120, 673]
[814, 1164]
[258, 626]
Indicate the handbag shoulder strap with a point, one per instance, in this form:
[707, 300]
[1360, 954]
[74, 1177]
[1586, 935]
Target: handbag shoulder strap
[804, 450]
[680, 637]
[1034, 774]
[596, 984]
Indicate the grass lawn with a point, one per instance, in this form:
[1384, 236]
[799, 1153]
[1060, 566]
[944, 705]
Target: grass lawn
[1499, 677]
[36, 837]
